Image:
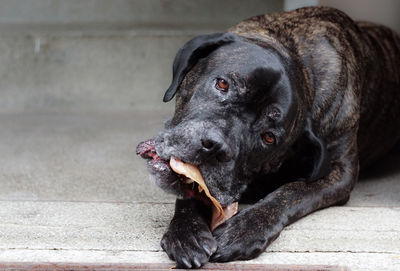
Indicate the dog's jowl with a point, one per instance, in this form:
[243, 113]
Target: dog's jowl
[281, 111]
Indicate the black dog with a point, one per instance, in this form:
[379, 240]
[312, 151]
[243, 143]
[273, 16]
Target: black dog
[281, 110]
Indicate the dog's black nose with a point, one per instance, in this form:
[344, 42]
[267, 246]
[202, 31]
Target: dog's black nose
[215, 147]
[210, 144]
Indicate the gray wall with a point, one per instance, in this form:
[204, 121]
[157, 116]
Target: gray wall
[128, 14]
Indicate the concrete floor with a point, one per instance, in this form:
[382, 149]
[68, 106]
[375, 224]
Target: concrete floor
[72, 190]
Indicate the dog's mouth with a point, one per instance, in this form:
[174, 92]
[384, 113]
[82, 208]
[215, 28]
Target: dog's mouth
[191, 182]
[146, 150]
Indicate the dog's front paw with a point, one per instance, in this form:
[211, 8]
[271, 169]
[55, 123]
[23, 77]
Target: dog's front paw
[189, 242]
[243, 237]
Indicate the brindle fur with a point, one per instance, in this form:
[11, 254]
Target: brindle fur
[361, 73]
[350, 85]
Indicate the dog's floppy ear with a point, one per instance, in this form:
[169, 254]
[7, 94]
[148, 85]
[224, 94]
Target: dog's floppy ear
[190, 53]
[316, 153]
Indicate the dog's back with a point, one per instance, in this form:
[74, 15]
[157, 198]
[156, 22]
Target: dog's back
[379, 126]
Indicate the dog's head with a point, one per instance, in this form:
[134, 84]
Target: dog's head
[238, 112]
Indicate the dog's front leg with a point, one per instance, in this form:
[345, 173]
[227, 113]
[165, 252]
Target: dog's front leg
[247, 234]
[188, 240]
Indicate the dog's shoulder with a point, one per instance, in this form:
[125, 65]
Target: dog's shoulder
[317, 39]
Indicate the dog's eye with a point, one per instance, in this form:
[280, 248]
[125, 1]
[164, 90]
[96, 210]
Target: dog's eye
[269, 138]
[222, 85]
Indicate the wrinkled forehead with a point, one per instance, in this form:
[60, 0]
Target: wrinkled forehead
[239, 58]
[242, 57]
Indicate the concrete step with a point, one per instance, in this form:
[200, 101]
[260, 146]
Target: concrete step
[69, 72]
[139, 227]
[78, 156]
[356, 261]
[361, 238]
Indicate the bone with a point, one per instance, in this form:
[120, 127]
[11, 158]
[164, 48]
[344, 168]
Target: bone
[219, 214]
